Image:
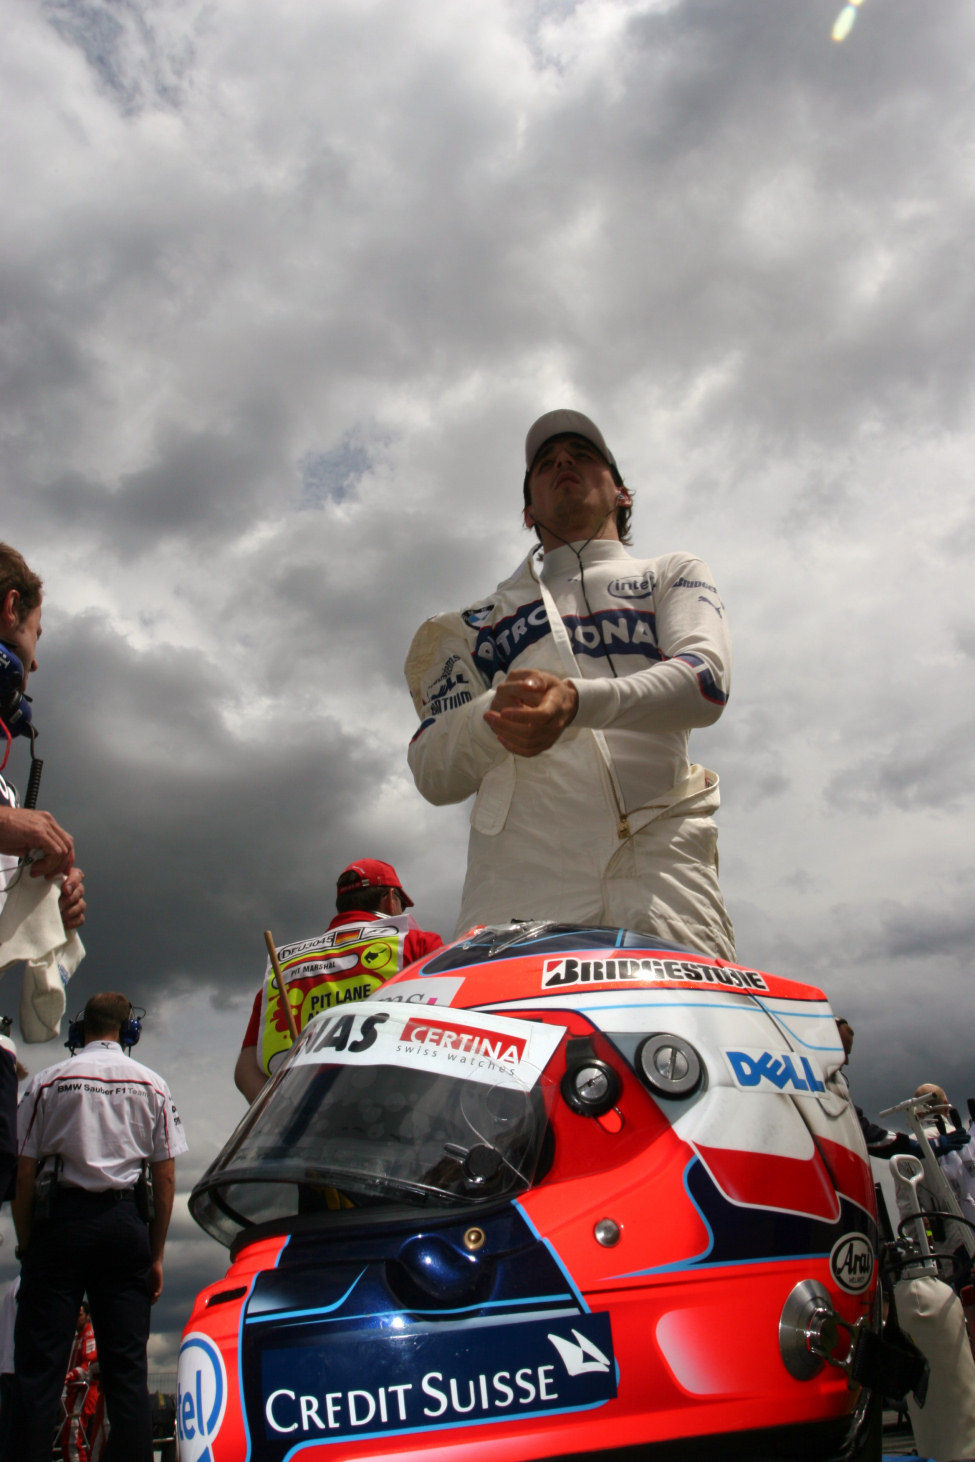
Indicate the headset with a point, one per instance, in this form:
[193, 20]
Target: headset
[129, 1031]
[17, 717]
[15, 706]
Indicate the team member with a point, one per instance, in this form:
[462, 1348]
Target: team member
[881, 1141]
[23, 830]
[565, 699]
[957, 1164]
[370, 938]
[91, 1126]
[27, 830]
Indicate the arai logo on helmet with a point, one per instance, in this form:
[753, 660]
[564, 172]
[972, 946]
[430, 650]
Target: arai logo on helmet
[851, 1262]
[201, 1398]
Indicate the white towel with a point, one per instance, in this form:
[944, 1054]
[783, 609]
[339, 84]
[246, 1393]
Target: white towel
[31, 930]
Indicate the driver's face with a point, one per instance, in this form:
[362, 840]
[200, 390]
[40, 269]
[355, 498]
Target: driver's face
[572, 492]
[22, 635]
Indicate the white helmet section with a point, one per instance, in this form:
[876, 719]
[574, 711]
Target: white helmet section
[772, 1086]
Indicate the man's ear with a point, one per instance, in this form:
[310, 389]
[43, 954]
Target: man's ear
[528, 517]
[623, 499]
[10, 610]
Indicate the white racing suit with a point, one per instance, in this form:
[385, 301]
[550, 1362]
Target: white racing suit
[611, 825]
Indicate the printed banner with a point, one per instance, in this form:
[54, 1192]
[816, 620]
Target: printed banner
[465, 1043]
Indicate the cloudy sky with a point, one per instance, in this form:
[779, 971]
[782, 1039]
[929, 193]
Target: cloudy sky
[283, 288]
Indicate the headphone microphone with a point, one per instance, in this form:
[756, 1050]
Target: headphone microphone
[128, 1036]
[15, 707]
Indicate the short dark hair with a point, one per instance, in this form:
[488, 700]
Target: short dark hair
[622, 512]
[16, 574]
[105, 1014]
[366, 899]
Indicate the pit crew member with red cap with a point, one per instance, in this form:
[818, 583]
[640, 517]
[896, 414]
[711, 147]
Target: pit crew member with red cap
[564, 701]
[370, 938]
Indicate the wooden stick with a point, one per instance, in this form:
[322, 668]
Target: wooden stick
[289, 1013]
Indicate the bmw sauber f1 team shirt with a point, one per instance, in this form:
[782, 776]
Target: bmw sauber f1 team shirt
[9, 862]
[103, 1114]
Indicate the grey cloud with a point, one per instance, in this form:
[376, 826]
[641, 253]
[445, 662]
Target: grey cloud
[180, 826]
[202, 485]
[910, 772]
[740, 258]
[931, 934]
[129, 54]
[746, 746]
[964, 639]
[42, 353]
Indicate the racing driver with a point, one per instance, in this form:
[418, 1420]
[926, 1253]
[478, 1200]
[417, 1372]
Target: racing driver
[565, 699]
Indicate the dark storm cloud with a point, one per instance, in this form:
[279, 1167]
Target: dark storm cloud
[941, 933]
[201, 486]
[930, 939]
[42, 352]
[192, 838]
[913, 770]
[707, 155]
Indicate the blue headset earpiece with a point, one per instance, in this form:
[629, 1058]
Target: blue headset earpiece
[129, 1031]
[15, 710]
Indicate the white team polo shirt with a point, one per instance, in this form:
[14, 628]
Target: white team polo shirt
[103, 1114]
[9, 862]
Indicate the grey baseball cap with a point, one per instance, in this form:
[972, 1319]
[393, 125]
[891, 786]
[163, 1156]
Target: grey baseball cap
[564, 423]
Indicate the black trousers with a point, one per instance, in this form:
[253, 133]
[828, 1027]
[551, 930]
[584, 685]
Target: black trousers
[8, 1123]
[96, 1244]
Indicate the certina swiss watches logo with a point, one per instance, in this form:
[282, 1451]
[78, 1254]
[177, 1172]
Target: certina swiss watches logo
[433, 1380]
[575, 971]
[201, 1398]
[851, 1262]
[779, 1071]
[465, 1039]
